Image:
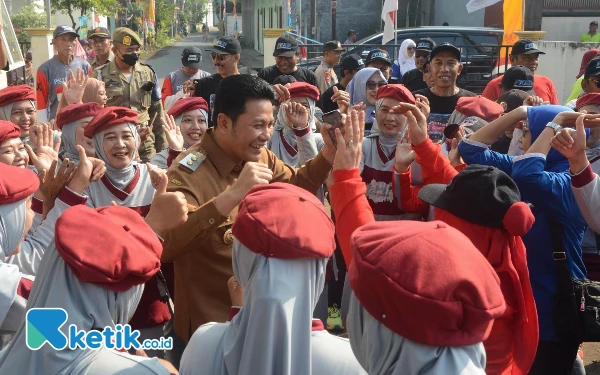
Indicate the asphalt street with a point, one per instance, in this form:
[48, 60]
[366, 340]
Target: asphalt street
[168, 59]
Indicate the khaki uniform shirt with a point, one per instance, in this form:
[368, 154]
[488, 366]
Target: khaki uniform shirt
[326, 77]
[127, 93]
[201, 249]
[96, 64]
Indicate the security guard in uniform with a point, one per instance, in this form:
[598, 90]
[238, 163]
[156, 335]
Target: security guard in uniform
[100, 41]
[132, 84]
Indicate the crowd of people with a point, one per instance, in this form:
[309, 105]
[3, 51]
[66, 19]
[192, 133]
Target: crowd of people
[252, 219]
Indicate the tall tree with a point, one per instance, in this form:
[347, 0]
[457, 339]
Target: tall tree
[102, 7]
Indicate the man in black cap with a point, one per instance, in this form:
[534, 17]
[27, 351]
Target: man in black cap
[225, 54]
[53, 72]
[413, 79]
[592, 36]
[179, 83]
[102, 45]
[352, 35]
[526, 53]
[380, 59]
[286, 56]
[510, 100]
[350, 66]
[444, 94]
[518, 77]
[325, 73]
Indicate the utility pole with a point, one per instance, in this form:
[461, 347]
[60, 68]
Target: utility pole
[313, 18]
[48, 24]
[333, 14]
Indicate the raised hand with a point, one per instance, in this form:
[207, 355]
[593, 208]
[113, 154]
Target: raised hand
[342, 99]
[349, 145]
[417, 122]
[568, 119]
[282, 92]
[143, 132]
[405, 155]
[453, 154]
[155, 175]
[74, 88]
[168, 210]
[46, 151]
[533, 101]
[83, 173]
[236, 292]
[423, 104]
[53, 181]
[296, 114]
[99, 169]
[571, 142]
[172, 133]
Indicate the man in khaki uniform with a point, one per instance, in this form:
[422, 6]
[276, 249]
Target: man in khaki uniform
[132, 84]
[214, 176]
[101, 44]
[325, 72]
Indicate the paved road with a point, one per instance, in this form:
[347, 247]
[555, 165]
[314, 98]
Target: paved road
[168, 59]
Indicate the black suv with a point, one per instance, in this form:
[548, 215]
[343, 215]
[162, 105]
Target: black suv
[480, 49]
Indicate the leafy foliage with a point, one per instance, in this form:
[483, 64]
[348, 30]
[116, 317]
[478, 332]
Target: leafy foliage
[29, 16]
[102, 7]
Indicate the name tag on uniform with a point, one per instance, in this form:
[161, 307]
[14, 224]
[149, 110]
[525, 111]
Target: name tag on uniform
[111, 83]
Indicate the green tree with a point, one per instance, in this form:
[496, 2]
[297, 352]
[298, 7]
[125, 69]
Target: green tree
[102, 7]
[29, 16]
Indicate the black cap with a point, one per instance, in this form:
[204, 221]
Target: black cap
[445, 47]
[525, 47]
[284, 79]
[352, 62]
[425, 44]
[379, 55]
[592, 68]
[478, 194]
[333, 45]
[594, 23]
[99, 32]
[470, 125]
[351, 32]
[512, 99]
[63, 29]
[191, 57]
[226, 45]
[285, 46]
[518, 77]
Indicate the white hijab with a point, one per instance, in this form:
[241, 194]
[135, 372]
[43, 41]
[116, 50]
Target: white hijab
[271, 335]
[120, 177]
[5, 112]
[12, 225]
[282, 124]
[89, 307]
[405, 62]
[381, 351]
[68, 143]
[179, 118]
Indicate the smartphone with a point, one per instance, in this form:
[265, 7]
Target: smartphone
[334, 118]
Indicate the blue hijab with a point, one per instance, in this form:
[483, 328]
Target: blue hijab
[357, 88]
[538, 117]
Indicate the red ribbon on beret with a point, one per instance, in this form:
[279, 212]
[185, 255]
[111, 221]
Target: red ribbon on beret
[480, 107]
[118, 251]
[18, 93]
[264, 226]
[591, 98]
[396, 91]
[16, 183]
[303, 89]
[187, 104]
[109, 117]
[8, 130]
[75, 112]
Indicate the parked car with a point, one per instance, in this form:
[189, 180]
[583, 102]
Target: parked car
[480, 50]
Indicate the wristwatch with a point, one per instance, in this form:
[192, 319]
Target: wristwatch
[557, 128]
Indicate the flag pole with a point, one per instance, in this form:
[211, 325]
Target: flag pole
[395, 34]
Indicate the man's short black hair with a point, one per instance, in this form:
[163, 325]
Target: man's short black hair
[284, 79]
[234, 91]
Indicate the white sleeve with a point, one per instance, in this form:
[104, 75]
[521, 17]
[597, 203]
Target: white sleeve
[588, 200]
[308, 146]
[171, 99]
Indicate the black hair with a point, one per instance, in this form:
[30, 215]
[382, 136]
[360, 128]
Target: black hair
[234, 91]
[284, 79]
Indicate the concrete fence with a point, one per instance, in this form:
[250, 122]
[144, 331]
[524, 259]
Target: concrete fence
[561, 64]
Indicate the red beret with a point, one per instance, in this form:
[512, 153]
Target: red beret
[281, 220]
[118, 251]
[8, 130]
[18, 93]
[479, 106]
[396, 91]
[298, 89]
[16, 183]
[591, 98]
[425, 281]
[188, 104]
[109, 117]
[75, 112]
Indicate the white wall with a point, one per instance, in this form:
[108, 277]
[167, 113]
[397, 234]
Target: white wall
[566, 28]
[230, 24]
[561, 64]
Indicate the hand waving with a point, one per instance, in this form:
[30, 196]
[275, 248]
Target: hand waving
[172, 133]
[74, 88]
[83, 173]
[405, 155]
[342, 99]
[417, 122]
[296, 115]
[46, 151]
[52, 182]
[349, 145]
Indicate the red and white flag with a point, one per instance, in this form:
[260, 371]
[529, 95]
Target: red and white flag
[475, 5]
[388, 15]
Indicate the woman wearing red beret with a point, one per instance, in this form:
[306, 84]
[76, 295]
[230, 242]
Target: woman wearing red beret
[72, 121]
[12, 148]
[184, 125]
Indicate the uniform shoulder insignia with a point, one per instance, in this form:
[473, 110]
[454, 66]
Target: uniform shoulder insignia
[149, 66]
[175, 182]
[193, 160]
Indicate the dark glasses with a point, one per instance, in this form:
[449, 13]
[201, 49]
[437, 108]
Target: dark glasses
[375, 85]
[217, 56]
[410, 48]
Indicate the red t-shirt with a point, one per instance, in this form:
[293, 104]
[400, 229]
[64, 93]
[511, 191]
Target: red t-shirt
[542, 85]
